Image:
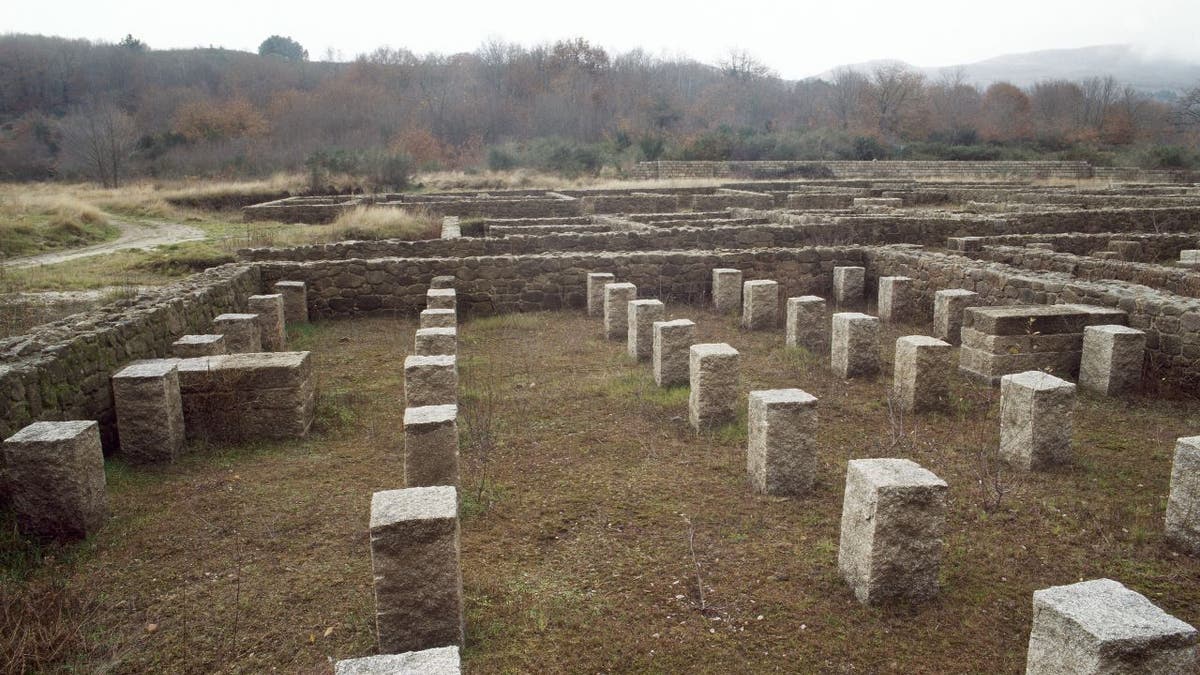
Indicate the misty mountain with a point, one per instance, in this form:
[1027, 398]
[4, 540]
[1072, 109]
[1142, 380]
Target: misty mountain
[1159, 75]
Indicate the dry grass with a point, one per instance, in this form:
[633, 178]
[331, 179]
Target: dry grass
[32, 221]
[593, 517]
[365, 222]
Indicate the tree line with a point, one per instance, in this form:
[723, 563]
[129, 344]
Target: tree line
[108, 111]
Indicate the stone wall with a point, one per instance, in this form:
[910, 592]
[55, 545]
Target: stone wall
[873, 169]
[1171, 322]
[1180, 281]
[61, 370]
[496, 284]
[1154, 246]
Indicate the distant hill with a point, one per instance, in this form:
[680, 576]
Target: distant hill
[1152, 74]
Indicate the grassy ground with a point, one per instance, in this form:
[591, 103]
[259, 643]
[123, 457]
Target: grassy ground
[592, 518]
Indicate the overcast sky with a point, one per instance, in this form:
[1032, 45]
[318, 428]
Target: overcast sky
[796, 38]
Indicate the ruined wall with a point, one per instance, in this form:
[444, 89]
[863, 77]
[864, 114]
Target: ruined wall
[61, 370]
[852, 169]
[1180, 281]
[495, 284]
[1171, 322]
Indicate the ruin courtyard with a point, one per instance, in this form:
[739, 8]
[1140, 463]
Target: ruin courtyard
[743, 417]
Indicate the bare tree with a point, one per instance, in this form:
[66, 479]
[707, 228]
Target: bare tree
[742, 65]
[847, 88]
[1098, 94]
[1187, 111]
[99, 138]
[893, 87]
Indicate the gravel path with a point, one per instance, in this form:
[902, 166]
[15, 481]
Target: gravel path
[133, 235]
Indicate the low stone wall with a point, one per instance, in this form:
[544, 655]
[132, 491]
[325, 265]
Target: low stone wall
[1180, 281]
[61, 370]
[1154, 246]
[871, 169]
[1171, 322]
[496, 284]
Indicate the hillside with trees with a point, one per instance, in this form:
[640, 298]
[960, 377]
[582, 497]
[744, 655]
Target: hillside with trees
[74, 108]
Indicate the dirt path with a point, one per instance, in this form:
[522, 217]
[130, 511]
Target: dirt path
[144, 236]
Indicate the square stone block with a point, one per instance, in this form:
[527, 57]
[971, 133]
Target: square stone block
[56, 479]
[192, 346]
[760, 304]
[436, 342]
[672, 340]
[849, 283]
[431, 445]
[713, 376]
[1101, 627]
[1035, 419]
[854, 345]
[269, 309]
[727, 290]
[430, 380]
[415, 560]
[438, 318]
[806, 324]
[1183, 504]
[781, 449]
[640, 327]
[922, 373]
[295, 300]
[441, 298]
[616, 309]
[149, 410]
[948, 308]
[1111, 362]
[895, 299]
[442, 281]
[893, 515]
[596, 281]
[243, 332]
[438, 661]
[240, 397]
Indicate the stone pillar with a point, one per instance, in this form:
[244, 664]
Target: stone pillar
[1183, 504]
[436, 342]
[193, 346]
[431, 445]
[726, 290]
[295, 300]
[1100, 626]
[760, 305]
[922, 373]
[806, 323]
[848, 285]
[441, 298]
[895, 297]
[442, 281]
[56, 479]
[1035, 419]
[854, 345]
[430, 380]
[672, 341]
[415, 560]
[1189, 258]
[596, 281]
[149, 411]
[892, 519]
[640, 320]
[439, 661]
[1111, 363]
[616, 309]
[713, 377]
[948, 308]
[269, 309]
[781, 449]
[243, 333]
[438, 318]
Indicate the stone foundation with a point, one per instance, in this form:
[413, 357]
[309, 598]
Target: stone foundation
[438, 318]
[921, 374]
[241, 397]
[760, 305]
[56, 480]
[431, 445]
[243, 332]
[616, 309]
[596, 281]
[436, 342]
[672, 341]
[295, 300]
[269, 309]
[854, 345]
[727, 290]
[193, 346]
[948, 308]
[1035, 420]
[894, 305]
[441, 298]
[415, 560]
[1101, 627]
[893, 515]
[149, 412]
[640, 320]
[849, 283]
[430, 380]
[713, 376]
[781, 450]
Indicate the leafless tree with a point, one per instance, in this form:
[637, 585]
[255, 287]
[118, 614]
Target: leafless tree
[1098, 94]
[847, 88]
[1187, 111]
[99, 138]
[742, 65]
[893, 87]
